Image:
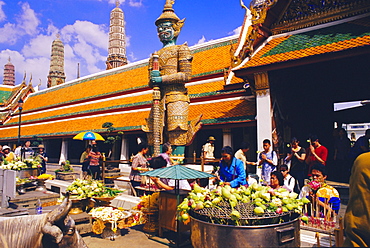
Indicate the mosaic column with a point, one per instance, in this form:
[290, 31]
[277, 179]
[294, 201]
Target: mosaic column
[157, 123]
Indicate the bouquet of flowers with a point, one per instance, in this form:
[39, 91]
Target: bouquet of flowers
[105, 215]
[314, 186]
[149, 202]
[16, 165]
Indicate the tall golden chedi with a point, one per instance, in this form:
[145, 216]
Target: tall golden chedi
[169, 70]
[117, 39]
[9, 74]
[56, 74]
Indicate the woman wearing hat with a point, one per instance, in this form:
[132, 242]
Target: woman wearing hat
[42, 157]
[9, 155]
[209, 148]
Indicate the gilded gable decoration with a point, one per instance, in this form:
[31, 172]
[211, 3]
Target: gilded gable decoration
[305, 13]
[252, 29]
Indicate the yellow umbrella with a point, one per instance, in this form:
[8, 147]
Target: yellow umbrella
[88, 136]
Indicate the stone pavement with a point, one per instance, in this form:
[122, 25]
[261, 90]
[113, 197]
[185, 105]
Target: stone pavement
[130, 237]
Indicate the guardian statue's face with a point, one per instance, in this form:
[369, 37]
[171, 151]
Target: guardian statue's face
[166, 32]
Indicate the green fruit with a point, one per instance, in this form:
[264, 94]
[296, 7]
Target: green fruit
[185, 207]
[238, 197]
[305, 200]
[259, 211]
[197, 188]
[233, 198]
[284, 209]
[304, 219]
[293, 195]
[235, 215]
[226, 193]
[233, 203]
[184, 217]
[289, 206]
[199, 205]
[208, 204]
[216, 201]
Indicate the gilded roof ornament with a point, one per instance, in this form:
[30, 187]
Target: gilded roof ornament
[117, 3]
[168, 13]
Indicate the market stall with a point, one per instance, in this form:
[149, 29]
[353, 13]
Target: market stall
[168, 200]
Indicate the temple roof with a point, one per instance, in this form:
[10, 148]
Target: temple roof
[5, 93]
[122, 96]
[311, 42]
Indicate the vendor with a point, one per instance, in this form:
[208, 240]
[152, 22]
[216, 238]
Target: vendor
[26, 150]
[328, 196]
[42, 157]
[276, 182]
[139, 164]
[231, 170]
[8, 154]
[164, 183]
[166, 153]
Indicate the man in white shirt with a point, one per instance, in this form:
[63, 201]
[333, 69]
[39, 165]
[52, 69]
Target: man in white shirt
[289, 181]
[209, 148]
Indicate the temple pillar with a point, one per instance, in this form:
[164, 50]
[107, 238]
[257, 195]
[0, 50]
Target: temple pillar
[63, 151]
[264, 110]
[124, 149]
[227, 138]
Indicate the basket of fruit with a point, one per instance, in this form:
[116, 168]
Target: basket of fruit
[248, 213]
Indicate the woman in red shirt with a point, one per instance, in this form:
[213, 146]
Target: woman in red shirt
[94, 166]
[317, 152]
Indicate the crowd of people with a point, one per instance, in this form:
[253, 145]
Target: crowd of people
[24, 152]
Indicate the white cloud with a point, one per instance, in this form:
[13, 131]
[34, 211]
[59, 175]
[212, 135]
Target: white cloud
[201, 40]
[131, 56]
[2, 14]
[27, 23]
[132, 3]
[9, 33]
[28, 20]
[38, 67]
[40, 46]
[88, 32]
[135, 3]
[236, 31]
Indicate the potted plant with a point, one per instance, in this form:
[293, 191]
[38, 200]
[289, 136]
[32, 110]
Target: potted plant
[65, 172]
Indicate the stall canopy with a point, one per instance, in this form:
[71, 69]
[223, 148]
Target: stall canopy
[177, 172]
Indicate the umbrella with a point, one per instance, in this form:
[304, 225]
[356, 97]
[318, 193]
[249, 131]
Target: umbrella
[88, 136]
[177, 172]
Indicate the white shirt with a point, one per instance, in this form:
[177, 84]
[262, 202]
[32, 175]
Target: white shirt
[183, 184]
[209, 149]
[251, 181]
[289, 182]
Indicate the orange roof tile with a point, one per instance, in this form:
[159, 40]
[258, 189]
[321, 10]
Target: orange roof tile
[322, 41]
[237, 110]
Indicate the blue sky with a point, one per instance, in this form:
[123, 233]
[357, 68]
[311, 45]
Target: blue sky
[28, 27]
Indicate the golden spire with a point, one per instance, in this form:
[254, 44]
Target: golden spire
[117, 3]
